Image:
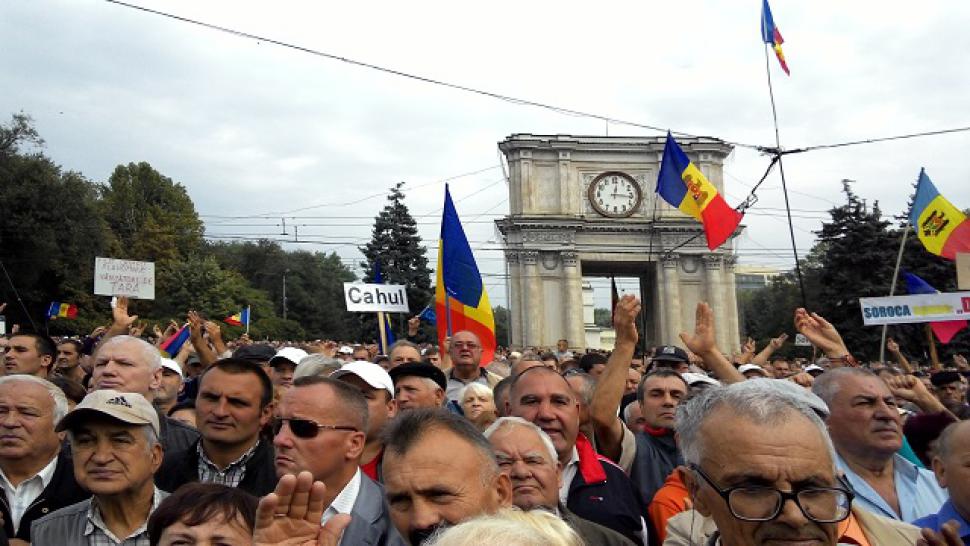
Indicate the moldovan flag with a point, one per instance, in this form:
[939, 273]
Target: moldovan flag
[466, 306]
[772, 36]
[943, 228]
[683, 185]
[62, 310]
[944, 330]
[239, 319]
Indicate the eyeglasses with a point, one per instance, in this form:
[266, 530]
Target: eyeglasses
[758, 503]
[305, 428]
[465, 345]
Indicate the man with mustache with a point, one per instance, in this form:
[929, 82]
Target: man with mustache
[867, 432]
[527, 455]
[439, 471]
[321, 429]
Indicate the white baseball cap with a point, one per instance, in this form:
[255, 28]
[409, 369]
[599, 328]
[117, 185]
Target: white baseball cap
[173, 365]
[370, 373]
[692, 378]
[291, 354]
[346, 350]
[752, 368]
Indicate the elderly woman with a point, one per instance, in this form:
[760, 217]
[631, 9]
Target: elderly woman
[478, 404]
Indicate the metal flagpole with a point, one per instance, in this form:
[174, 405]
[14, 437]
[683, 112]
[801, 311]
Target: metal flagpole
[784, 185]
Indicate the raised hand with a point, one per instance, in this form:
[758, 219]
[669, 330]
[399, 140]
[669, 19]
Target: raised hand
[195, 325]
[414, 323]
[213, 329]
[703, 341]
[961, 362]
[625, 319]
[290, 515]
[820, 333]
[137, 329]
[121, 320]
[892, 346]
[777, 342]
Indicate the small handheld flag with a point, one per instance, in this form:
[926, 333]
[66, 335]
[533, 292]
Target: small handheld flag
[173, 344]
[683, 185]
[62, 310]
[385, 333]
[944, 330]
[239, 319]
[427, 315]
[943, 228]
[772, 36]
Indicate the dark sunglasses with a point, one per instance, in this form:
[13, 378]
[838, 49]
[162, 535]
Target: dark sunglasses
[305, 428]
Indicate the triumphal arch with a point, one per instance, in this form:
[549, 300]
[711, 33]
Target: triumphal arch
[586, 206]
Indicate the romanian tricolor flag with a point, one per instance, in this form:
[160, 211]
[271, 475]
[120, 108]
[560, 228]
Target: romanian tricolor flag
[943, 228]
[771, 35]
[461, 302]
[239, 319]
[385, 335]
[683, 185]
[62, 310]
[173, 344]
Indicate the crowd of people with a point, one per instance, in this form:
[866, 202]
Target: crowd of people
[107, 440]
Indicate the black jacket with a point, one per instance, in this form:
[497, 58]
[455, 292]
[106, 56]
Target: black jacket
[602, 493]
[175, 435]
[593, 533]
[183, 467]
[63, 490]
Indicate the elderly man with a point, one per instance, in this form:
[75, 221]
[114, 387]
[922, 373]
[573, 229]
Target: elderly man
[321, 429]
[429, 486]
[378, 389]
[31, 354]
[419, 385]
[762, 469]
[403, 351]
[234, 403]
[541, 396]
[950, 388]
[527, 455]
[865, 427]
[68, 362]
[953, 473]
[36, 475]
[466, 361]
[129, 364]
[114, 444]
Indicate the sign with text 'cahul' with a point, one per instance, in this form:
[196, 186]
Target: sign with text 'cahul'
[124, 278]
[938, 307]
[391, 298]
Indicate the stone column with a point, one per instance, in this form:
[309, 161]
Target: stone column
[574, 331]
[532, 314]
[671, 298]
[515, 297]
[715, 289]
[731, 295]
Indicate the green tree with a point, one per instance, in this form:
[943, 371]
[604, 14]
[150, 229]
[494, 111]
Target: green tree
[396, 244]
[502, 318]
[603, 317]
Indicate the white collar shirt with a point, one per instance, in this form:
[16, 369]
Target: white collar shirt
[19, 498]
[344, 502]
[568, 473]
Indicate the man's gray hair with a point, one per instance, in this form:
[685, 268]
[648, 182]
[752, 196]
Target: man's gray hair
[827, 385]
[317, 365]
[627, 410]
[587, 387]
[755, 401]
[149, 353]
[512, 422]
[943, 443]
[402, 343]
[530, 356]
[57, 395]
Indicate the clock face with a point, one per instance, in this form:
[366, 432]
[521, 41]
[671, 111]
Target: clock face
[615, 194]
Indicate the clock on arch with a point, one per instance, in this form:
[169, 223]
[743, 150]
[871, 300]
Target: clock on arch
[615, 194]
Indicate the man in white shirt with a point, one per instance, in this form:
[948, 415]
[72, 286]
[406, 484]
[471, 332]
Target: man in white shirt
[321, 429]
[34, 478]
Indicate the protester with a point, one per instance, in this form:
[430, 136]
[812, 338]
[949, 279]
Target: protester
[317, 365]
[378, 389]
[31, 354]
[74, 391]
[128, 364]
[115, 449]
[184, 412]
[403, 351]
[671, 356]
[466, 361]
[166, 395]
[528, 360]
[511, 527]
[541, 396]
[204, 514]
[950, 464]
[429, 487]
[419, 385]
[500, 393]
[583, 386]
[233, 406]
[753, 371]
[36, 475]
[527, 455]
[865, 427]
[68, 362]
[321, 429]
[478, 405]
[283, 364]
[593, 363]
[950, 387]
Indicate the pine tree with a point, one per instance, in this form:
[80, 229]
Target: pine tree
[396, 244]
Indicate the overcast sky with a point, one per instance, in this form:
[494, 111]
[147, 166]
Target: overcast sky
[253, 129]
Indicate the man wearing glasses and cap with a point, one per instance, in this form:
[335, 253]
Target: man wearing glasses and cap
[321, 429]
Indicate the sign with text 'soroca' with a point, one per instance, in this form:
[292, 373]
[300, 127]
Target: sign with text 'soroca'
[391, 298]
[938, 307]
[124, 278]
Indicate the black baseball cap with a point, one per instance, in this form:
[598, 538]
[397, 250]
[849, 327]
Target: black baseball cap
[944, 378]
[256, 352]
[420, 369]
[670, 353]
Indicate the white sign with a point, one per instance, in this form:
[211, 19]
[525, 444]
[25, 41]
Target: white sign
[124, 278]
[963, 270]
[376, 297]
[802, 341]
[916, 308]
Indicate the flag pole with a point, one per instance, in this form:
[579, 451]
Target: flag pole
[892, 287]
[784, 185]
[249, 317]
